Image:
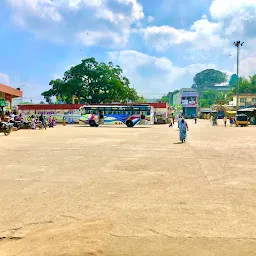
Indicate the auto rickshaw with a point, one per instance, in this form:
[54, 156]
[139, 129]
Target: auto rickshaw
[242, 120]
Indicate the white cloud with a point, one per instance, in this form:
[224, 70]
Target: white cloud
[155, 74]
[222, 9]
[136, 7]
[248, 65]
[229, 20]
[4, 79]
[64, 19]
[43, 9]
[102, 38]
[203, 34]
[238, 18]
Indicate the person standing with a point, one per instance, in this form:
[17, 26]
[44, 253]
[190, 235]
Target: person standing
[64, 121]
[225, 121]
[33, 120]
[53, 121]
[50, 121]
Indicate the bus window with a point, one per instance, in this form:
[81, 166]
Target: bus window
[85, 111]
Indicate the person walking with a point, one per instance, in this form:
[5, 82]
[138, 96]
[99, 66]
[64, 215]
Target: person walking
[183, 130]
[41, 119]
[225, 121]
[179, 121]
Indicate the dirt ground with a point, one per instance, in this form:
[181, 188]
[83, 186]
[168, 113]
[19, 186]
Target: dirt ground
[117, 191]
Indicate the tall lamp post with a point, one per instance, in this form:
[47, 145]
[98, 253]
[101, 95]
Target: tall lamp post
[237, 44]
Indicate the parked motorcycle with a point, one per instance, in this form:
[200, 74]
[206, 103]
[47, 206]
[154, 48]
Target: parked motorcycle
[26, 125]
[5, 128]
[17, 124]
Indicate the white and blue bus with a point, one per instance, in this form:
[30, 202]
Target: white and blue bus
[129, 115]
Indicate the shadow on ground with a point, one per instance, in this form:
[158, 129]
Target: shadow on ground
[114, 126]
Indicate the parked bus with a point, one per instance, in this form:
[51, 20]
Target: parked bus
[129, 115]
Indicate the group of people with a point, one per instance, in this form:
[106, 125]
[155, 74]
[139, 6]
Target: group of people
[214, 121]
[183, 127]
[41, 119]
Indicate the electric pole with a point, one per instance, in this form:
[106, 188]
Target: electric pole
[237, 44]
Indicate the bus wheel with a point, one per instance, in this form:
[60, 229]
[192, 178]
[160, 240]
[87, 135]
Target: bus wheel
[92, 123]
[129, 123]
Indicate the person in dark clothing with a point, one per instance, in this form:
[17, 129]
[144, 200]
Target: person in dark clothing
[41, 119]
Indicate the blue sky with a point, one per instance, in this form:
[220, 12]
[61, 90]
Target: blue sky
[160, 45]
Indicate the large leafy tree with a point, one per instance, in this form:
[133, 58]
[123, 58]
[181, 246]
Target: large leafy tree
[94, 82]
[208, 78]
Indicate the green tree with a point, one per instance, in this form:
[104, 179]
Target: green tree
[165, 98]
[253, 83]
[210, 97]
[208, 78]
[233, 80]
[93, 81]
[246, 85]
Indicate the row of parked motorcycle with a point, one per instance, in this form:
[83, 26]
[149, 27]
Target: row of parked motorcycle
[6, 127]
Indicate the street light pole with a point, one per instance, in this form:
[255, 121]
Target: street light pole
[237, 44]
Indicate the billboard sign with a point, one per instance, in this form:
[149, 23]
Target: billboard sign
[189, 103]
[184, 102]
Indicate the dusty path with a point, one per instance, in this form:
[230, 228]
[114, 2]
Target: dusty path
[117, 191]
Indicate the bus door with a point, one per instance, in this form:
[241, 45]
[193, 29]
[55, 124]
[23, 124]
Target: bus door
[142, 118]
[101, 117]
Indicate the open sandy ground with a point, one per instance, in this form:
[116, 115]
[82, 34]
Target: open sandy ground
[117, 191]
